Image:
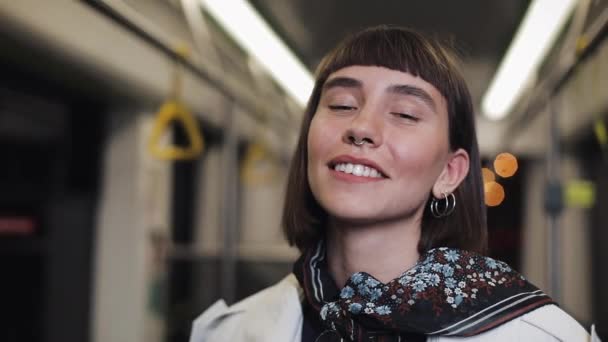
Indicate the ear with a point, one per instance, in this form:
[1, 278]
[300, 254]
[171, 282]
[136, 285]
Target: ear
[453, 173]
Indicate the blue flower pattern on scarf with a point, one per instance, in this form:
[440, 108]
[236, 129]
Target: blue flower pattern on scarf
[438, 296]
[445, 277]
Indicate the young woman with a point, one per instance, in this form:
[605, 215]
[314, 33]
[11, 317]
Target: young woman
[385, 202]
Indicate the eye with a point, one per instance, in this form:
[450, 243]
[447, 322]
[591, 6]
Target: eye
[341, 108]
[406, 116]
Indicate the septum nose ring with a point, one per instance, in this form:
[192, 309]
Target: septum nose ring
[358, 142]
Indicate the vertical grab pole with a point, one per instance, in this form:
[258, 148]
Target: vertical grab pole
[553, 203]
[554, 190]
[230, 206]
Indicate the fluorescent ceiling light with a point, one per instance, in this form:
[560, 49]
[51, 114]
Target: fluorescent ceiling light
[256, 37]
[535, 36]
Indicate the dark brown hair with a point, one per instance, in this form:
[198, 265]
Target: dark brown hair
[396, 48]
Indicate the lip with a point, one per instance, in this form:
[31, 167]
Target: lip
[354, 160]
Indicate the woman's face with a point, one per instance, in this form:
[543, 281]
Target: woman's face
[402, 121]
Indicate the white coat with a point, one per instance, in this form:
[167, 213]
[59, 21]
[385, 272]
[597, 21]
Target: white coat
[275, 315]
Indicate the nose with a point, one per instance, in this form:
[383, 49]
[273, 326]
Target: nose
[364, 129]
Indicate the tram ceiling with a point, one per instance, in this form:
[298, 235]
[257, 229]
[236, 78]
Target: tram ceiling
[482, 30]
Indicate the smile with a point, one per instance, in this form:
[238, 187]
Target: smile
[358, 170]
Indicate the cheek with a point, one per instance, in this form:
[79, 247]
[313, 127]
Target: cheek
[315, 153]
[320, 139]
[311, 141]
[419, 158]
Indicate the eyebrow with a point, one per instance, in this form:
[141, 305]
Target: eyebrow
[404, 89]
[343, 82]
[400, 89]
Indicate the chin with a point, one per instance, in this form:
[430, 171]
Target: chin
[354, 213]
[357, 213]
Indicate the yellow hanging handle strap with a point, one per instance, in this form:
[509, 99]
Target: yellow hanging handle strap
[258, 166]
[172, 110]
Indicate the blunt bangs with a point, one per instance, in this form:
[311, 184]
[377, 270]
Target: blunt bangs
[392, 48]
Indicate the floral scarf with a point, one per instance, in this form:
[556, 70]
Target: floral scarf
[448, 292]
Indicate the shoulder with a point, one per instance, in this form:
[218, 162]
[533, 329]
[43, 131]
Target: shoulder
[547, 323]
[556, 322]
[276, 308]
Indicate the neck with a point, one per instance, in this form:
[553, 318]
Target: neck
[384, 250]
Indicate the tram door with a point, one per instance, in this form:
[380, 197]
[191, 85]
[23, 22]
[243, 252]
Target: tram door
[596, 166]
[50, 142]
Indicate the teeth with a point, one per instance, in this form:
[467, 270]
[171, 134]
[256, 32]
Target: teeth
[358, 170]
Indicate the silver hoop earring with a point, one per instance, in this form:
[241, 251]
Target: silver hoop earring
[443, 208]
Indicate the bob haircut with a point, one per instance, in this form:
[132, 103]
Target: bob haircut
[405, 50]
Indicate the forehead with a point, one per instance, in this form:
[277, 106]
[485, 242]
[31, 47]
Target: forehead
[372, 76]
